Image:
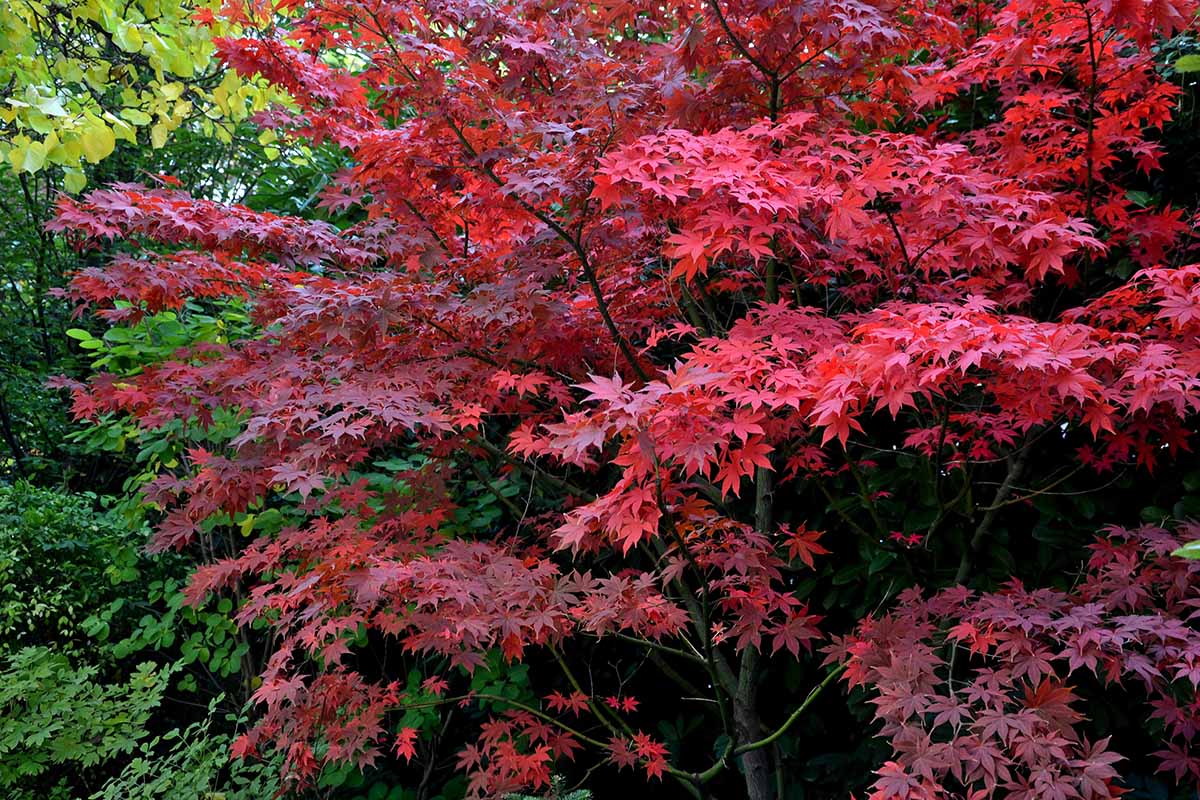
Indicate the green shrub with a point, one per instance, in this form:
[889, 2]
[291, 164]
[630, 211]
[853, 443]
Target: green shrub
[60, 561]
[55, 715]
[556, 792]
[193, 763]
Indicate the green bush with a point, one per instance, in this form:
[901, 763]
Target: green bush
[55, 715]
[193, 763]
[556, 792]
[60, 561]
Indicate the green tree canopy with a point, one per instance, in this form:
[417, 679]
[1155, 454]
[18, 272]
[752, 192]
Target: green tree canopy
[81, 76]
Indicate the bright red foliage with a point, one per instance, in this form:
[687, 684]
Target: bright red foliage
[671, 264]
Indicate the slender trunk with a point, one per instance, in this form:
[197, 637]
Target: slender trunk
[7, 430]
[756, 764]
[1016, 467]
[41, 285]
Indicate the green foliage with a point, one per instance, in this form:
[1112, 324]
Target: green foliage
[34, 425]
[193, 762]
[53, 714]
[80, 81]
[60, 561]
[33, 422]
[74, 578]
[126, 350]
[205, 637]
[556, 792]
[1188, 63]
[1190, 550]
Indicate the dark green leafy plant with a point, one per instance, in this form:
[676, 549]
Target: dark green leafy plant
[556, 791]
[60, 561]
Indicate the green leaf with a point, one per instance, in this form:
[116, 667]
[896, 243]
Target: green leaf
[51, 107]
[29, 157]
[136, 116]
[128, 38]
[1188, 63]
[1190, 550]
[1140, 198]
[74, 181]
[98, 141]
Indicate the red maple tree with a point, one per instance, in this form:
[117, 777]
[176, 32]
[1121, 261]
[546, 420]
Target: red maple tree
[695, 275]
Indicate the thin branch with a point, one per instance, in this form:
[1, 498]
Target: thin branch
[859, 529]
[573, 242]
[516, 512]
[555, 481]
[1025, 494]
[441, 701]
[662, 648]
[1015, 468]
[616, 725]
[737, 43]
[782, 729]
[908, 263]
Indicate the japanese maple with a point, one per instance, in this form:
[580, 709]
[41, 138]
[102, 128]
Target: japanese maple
[729, 289]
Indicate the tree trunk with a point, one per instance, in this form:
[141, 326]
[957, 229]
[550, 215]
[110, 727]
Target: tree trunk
[10, 438]
[756, 764]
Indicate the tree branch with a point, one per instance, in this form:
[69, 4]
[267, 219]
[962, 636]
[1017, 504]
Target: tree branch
[1016, 466]
[782, 729]
[574, 243]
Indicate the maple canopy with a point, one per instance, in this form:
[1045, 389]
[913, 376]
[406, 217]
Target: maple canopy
[752, 318]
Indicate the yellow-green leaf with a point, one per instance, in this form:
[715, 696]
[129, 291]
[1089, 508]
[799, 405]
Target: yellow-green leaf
[74, 181]
[98, 141]
[1188, 63]
[28, 157]
[1189, 550]
[136, 116]
[158, 135]
[51, 107]
[129, 38]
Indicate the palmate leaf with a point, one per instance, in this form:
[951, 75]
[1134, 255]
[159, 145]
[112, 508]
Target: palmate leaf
[696, 282]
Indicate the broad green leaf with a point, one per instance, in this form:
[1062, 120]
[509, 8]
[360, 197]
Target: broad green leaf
[1189, 550]
[1188, 63]
[136, 116]
[129, 38]
[158, 135]
[51, 107]
[28, 157]
[74, 181]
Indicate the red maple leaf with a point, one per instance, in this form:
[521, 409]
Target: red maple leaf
[406, 743]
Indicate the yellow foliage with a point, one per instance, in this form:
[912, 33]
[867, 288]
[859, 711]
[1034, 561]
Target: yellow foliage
[107, 71]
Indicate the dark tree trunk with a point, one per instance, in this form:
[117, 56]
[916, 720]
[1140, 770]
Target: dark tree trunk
[756, 764]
